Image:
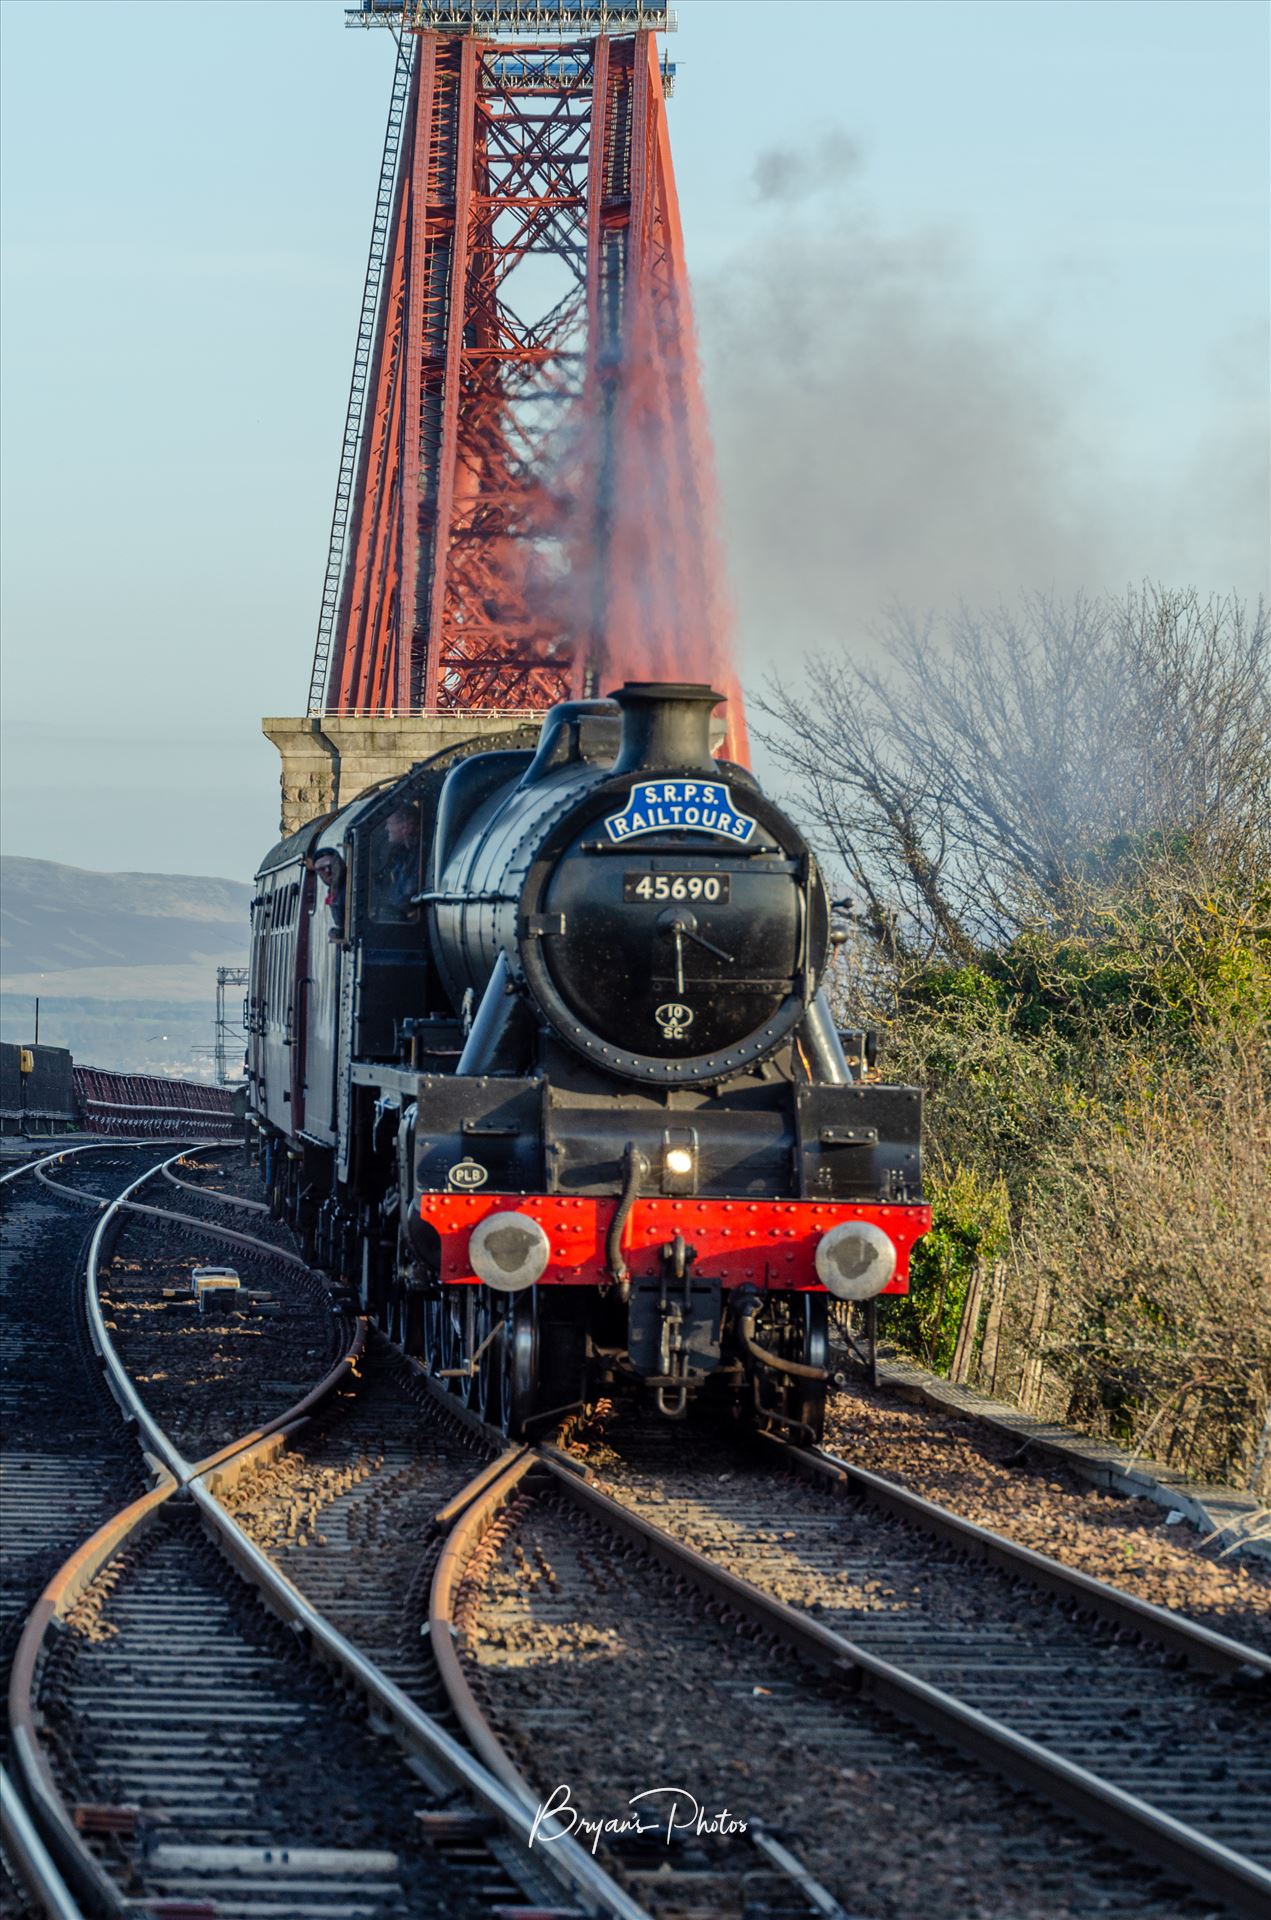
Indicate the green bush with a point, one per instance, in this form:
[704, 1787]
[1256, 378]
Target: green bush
[1096, 1121]
[970, 1227]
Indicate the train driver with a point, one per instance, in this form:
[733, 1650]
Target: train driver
[395, 865]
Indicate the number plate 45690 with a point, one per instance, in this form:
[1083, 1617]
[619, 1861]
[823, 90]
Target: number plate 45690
[654, 889]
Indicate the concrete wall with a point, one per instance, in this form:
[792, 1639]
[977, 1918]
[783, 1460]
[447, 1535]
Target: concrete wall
[39, 1097]
[328, 759]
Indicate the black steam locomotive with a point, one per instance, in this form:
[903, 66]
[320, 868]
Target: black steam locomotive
[539, 1061]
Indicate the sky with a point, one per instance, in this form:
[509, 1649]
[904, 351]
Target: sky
[983, 303]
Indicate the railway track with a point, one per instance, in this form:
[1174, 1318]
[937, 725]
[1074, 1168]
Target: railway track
[349, 1488]
[68, 1459]
[606, 1615]
[347, 1510]
[1150, 1729]
[177, 1741]
[998, 1476]
[1146, 1725]
[356, 1512]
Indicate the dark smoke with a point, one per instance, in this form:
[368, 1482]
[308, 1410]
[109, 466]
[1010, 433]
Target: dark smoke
[883, 433]
[788, 174]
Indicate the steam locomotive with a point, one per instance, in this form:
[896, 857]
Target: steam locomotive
[539, 1061]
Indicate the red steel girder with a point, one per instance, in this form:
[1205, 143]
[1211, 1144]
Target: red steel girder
[533, 507]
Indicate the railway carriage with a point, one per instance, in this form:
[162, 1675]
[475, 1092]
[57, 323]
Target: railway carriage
[539, 1060]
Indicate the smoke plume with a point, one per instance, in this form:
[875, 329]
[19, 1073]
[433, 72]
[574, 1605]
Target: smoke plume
[885, 435]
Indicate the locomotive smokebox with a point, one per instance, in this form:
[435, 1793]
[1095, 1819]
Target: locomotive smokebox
[665, 724]
[660, 915]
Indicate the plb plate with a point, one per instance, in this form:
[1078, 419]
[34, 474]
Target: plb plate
[762, 1243]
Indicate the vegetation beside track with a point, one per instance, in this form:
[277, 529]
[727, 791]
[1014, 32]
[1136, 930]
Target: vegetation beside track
[1055, 823]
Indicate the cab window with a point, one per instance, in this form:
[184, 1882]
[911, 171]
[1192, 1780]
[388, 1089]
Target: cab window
[395, 866]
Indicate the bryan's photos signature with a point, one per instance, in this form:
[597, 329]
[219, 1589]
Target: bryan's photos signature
[665, 1810]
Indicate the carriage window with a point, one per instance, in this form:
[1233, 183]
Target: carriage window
[395, 866]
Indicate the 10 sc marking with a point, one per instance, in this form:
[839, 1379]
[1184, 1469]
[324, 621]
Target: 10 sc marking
[709, 887]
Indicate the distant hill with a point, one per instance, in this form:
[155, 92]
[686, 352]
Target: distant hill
[124, 963]
[56, 919]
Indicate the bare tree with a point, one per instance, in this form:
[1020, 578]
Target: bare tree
[994, 768]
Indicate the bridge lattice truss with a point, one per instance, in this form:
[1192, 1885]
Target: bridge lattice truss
[524, 494]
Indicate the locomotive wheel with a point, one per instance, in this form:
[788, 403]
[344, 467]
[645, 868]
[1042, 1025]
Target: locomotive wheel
[406, 1322]
[347, 1250]
[389, 1270]
[488, 1386]
[434, 1306]
[469, 1341]
[392, 1318]
[447, 1340]
[458, 1330]
[519, 1350]
[805, 1399]
[796, 1326]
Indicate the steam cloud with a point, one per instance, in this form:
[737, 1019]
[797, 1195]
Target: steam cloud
[885, 436]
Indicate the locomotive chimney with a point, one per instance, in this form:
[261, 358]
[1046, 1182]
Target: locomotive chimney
[665, 724]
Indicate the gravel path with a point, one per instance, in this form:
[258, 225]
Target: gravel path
[980, 1474]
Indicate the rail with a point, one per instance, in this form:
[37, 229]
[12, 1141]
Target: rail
[469, 1517]
[30, 1859]
[1216, 1870]
[416, 1731]
[1200, 1646]
[209, 1193]
[64, 1153]
[490, 1779]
